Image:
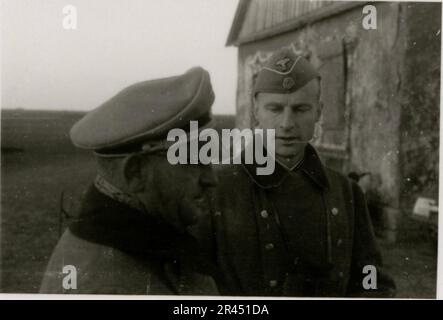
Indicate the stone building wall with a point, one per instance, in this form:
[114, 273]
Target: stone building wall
[419, 138]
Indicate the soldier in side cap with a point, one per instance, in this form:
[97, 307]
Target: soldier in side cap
[305, 229]
[131, 234]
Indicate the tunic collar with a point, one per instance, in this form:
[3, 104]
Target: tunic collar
[311, 166]
[106, 221]
[110, 222]
[115, 193]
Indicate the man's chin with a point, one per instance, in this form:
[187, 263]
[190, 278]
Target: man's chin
[289, 152]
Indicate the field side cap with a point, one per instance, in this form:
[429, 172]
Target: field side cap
[284, 72]
[143, 114]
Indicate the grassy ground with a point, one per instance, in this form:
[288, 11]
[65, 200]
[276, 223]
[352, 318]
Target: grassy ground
[31, 188]
[412, 260]
[413, 269]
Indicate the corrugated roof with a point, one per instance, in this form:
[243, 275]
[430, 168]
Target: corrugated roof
[258, 19]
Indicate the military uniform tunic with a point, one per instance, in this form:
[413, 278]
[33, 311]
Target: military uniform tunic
[291, 231]
[304, 232]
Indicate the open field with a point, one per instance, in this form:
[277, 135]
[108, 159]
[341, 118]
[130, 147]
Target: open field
[38, 163]
[31, 189]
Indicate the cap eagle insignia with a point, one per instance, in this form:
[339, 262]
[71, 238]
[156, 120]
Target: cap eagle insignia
[283, 64]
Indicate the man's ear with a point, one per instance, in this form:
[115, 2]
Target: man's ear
[134, 173]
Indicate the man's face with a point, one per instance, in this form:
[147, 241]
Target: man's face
[292, 115]
[180, 191]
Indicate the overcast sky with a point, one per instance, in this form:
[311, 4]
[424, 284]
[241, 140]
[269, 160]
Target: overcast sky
[116, 43]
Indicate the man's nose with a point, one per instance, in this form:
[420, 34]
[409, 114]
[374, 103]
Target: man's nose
[287, 122]
[208, 177]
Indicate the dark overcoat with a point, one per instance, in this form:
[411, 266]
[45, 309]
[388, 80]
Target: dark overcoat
[301, 233]
[119, 250]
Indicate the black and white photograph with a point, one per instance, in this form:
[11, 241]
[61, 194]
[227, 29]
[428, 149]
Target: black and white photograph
[220, 148]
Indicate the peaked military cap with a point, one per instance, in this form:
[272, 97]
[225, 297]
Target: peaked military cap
[139, 117]
[284, 72]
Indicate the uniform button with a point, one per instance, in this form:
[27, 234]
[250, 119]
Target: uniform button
[340, 274]
[273, 283]
[334, 211]
[217, 213]
[269, 246]
[296, 261]
[339, 242]
[264, 214]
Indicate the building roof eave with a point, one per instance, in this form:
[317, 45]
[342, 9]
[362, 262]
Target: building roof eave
[237, 23]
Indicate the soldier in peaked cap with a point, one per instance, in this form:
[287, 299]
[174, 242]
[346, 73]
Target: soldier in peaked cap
[303, 230]
[130, 236]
